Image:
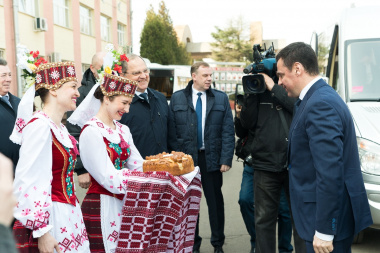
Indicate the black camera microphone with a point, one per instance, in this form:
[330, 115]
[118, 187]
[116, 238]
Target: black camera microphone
[248, 69]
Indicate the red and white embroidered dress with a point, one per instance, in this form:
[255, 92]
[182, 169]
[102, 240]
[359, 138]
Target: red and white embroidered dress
[44, 188]
[109, 155]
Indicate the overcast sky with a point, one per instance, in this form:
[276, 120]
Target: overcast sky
[293, 20]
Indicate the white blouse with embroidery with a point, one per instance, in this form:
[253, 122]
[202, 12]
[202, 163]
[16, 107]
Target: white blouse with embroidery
[95, 159]
[32, 187]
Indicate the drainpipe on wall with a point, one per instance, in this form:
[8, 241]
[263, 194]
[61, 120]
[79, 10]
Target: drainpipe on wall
[129, 22]
[17, 40]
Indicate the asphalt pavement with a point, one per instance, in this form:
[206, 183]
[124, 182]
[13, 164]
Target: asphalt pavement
[237, 238]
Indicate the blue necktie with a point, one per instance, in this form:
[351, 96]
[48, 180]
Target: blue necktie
[6, 100]
[296, 106]
[145, 97]
[198, 110]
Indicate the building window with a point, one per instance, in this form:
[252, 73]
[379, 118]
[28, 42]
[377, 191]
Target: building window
[105, 28]
[61, 13]
[27, 6]
[85, 20]
[121, 34]
[2, 53]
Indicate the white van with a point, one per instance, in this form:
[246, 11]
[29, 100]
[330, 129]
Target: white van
[354, 71]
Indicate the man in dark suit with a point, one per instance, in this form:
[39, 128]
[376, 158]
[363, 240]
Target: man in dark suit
[204, 128]
[148, 115]
[327, 194]
[8, 113]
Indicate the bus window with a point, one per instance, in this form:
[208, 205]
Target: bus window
[162, 80]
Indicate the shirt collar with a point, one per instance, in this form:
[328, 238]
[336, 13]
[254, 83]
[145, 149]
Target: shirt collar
[195, 91]
[138, 93]
[6, 95]
[307, 87]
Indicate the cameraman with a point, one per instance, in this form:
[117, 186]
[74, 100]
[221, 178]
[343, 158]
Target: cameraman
[268, 116]
[247, 201]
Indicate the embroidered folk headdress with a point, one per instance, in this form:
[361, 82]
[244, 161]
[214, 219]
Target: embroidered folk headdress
[51, 76]
[110, 83]
[38, 73]
[117, 85]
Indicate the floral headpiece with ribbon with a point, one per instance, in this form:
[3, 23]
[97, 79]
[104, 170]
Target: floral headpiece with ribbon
[28, 61]
[110, 82]
[36, 70]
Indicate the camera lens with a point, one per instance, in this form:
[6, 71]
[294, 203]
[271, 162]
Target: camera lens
[254, 84]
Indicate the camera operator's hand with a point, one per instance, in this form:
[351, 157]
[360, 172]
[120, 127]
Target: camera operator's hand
[84, 180]
[238, 110]
[268, 81]
[224, 168]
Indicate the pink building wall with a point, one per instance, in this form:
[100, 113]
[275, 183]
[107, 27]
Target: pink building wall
[76, 35]
[49, 35]
[97, 26]
[114, 23]
[10, 44]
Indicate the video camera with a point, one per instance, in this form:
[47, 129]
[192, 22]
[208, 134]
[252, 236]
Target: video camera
[264, 62]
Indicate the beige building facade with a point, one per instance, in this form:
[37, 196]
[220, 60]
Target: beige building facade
[63, 30]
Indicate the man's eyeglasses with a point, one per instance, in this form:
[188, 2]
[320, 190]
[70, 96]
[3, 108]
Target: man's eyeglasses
[138, 73]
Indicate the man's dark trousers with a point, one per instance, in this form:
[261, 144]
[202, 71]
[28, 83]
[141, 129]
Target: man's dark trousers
[212, 189]
[267, 190]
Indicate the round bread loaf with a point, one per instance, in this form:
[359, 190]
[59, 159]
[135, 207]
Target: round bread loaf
[176, 163]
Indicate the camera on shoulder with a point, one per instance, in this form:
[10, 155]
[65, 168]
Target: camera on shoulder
[264, 62]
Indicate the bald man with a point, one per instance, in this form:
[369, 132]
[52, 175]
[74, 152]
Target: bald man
[88, 81]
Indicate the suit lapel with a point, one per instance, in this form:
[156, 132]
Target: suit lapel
[296, 117]
[14, 102]
[8, 108]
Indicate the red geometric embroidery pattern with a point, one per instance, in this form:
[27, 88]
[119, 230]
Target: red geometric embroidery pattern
[113, 237]
[159, 216]
[66, 245]
[72, 245]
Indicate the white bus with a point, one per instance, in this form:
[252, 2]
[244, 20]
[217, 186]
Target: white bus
[168, 78]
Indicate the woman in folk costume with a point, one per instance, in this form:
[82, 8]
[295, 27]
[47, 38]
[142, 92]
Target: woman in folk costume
[108, 153]
[49, 218]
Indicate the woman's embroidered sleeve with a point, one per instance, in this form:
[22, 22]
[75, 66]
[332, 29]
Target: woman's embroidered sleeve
[95, 159]
[32, 185]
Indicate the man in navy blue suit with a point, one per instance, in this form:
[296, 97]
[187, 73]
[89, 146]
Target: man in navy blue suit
[327, 194]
